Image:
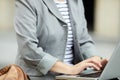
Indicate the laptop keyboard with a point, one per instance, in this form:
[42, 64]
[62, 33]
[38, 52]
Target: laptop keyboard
[92, 74]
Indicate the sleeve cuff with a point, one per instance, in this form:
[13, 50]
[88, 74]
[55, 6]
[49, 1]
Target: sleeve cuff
[46, 63]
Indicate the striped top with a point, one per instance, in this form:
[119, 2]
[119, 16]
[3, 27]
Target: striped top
[62, 6]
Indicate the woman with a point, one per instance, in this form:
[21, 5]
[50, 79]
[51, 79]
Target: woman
[53, 39]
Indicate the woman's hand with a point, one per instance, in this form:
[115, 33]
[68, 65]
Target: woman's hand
[99, 61]
[95, 62]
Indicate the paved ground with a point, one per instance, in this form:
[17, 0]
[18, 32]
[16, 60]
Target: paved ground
[8, 47]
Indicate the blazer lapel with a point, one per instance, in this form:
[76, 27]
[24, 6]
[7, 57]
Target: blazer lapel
[73, 9]
[52, 7]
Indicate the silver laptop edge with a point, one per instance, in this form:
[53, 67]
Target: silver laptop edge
[112, 69]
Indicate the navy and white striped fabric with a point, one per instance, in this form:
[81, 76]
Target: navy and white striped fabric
[62, 6]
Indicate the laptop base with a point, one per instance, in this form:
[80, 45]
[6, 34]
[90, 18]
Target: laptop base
[76, 77]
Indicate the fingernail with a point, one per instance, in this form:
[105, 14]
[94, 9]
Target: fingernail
[98, 68]
[100, 65]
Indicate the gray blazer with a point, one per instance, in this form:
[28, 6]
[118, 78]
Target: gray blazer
[42, 37]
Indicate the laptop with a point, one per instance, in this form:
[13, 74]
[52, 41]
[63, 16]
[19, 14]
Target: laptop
[111, 70]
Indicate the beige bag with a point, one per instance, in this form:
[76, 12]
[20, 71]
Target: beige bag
[13, 72]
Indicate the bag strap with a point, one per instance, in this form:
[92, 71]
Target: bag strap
[4, 70]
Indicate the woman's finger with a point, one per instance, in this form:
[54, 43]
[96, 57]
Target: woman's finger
[92, 65]
[104, 62]
[95, 60]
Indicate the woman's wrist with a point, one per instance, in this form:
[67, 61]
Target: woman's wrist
[60, 67]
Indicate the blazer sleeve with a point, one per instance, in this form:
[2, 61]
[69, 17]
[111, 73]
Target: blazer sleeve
[87, 46]
[25, 27]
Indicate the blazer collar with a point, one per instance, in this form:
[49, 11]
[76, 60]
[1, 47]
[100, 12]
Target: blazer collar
[52, 7]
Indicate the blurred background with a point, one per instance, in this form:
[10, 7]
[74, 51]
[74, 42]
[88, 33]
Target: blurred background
[103, 17]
